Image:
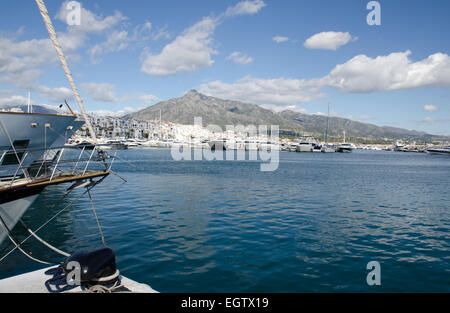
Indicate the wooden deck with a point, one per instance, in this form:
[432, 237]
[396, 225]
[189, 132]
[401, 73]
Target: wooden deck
[26, 187]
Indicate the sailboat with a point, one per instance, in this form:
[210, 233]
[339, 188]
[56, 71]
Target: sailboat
[32, 159]
[25, 140]
[327, 148]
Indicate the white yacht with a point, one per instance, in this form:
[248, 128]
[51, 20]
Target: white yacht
[399, 147]
[24, 139]
[328, 149]
[115, 145]
[304, 146]
[439, 150]
[307, 145]
[345, 147]
[134, 143]
[292, 147]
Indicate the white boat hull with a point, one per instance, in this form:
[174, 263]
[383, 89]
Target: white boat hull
[328, 150]
[305, 148]
[32, 131]
[439, 152]
[12, 211]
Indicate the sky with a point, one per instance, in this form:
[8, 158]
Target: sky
[279, 54]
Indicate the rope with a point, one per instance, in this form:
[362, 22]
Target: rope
[43, 225]
[104, 289]
[62, 59]
[44, 242]
[96, 218]
[8, 233]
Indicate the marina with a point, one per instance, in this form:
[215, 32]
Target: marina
[322, 217]
[132, 181]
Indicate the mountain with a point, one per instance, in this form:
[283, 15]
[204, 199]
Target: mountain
[228, 112]
[213, 111]
[354, 129]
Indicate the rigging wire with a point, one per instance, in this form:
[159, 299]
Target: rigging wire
[96, 217]
[17, 246]
[44, 242]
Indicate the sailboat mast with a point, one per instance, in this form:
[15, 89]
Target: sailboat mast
[160, 128]
[29, 103]
[328, 117]
[62, 59]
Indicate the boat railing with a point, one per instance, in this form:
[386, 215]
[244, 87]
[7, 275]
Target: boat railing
[67, 161]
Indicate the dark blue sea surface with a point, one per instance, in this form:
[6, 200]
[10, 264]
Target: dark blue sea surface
[225, 226]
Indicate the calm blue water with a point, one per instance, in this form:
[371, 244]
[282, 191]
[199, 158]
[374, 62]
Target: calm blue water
[224, 226]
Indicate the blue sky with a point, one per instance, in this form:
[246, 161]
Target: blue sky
[298, 55]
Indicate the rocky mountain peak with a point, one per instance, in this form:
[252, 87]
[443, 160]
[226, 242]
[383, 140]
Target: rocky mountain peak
[194, 95]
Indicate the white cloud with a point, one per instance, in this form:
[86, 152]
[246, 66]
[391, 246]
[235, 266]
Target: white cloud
[328, 40]
[192, 50]
[294, 108]
[148, 99]
[334, 114]
[240, 58]
[430, 108]
[279, 39]
[189, 52]
[429, 120]
[103, 92]
[116, 41]
[21, 62]
[90, 22]
[118, 113]
[248, 7]
[161, 33]
[363, 74]
[9, 100]
[58, 95]
[280, 91]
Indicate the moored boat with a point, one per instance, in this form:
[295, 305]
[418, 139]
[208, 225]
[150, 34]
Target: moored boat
[87, 270]
[345, 148]
[439, 150]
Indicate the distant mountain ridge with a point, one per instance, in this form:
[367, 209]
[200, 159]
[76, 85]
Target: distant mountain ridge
[212, 110]
[222, 112]
[337, 125]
